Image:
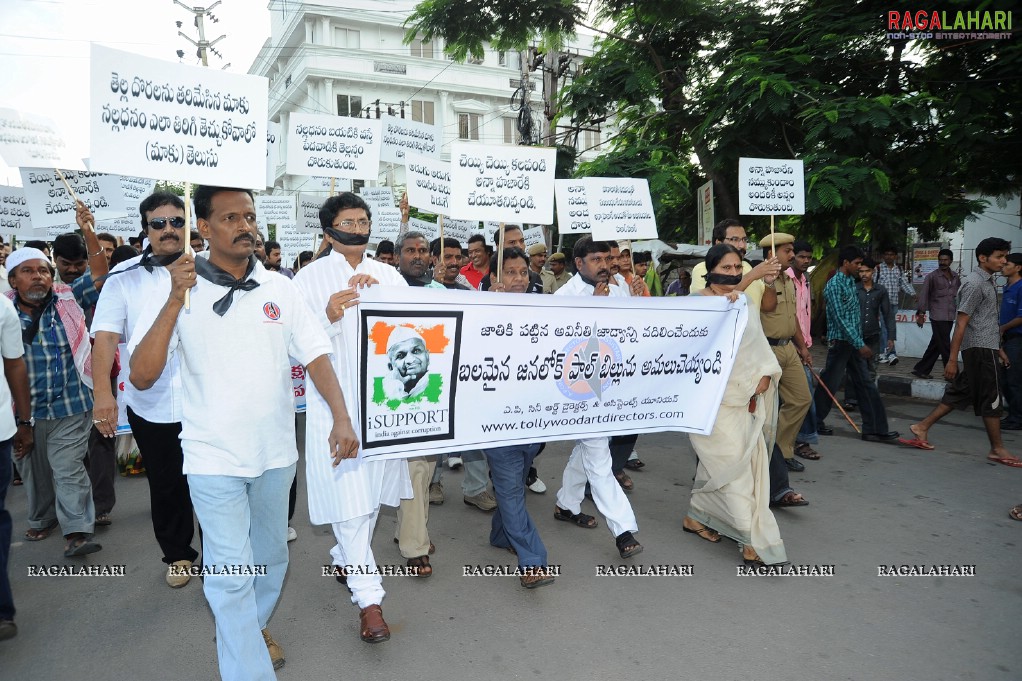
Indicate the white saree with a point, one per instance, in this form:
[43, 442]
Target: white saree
[731, 492]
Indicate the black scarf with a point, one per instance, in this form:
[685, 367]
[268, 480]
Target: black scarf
[28, 334]
[149, 261]
[213, 274]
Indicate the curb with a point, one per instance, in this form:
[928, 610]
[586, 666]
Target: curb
[920, 388]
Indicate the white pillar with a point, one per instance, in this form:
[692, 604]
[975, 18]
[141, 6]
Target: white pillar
[324, 27]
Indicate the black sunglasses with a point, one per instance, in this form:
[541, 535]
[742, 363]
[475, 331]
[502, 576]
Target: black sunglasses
[160, 223]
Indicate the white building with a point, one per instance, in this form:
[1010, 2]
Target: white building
[348, 58]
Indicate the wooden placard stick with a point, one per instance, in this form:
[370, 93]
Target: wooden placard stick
[500, 251]
[71, 192]
[188, 236]
[332, 180]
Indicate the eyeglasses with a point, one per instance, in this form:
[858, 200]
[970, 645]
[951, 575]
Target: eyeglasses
[737, 240]
[348, 225]
[160, 223]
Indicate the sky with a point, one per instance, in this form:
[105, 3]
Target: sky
[44, 50]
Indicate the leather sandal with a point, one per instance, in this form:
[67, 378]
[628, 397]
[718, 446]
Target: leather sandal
[626, 545]
[373, 628]
[420, 566]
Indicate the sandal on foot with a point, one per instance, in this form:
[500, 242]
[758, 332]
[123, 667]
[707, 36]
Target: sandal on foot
[790, 499]
[705, 533]
[1016, 513]
[805, 451]
[580, 519]
[420, 566]
[626, 545]
[80, 546]
[1007, 461]
[634, 464]
[32, 534]
[625, 481]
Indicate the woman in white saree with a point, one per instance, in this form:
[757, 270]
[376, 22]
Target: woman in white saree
[731, 492]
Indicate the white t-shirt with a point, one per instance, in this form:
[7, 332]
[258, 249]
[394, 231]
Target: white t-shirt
[577, 287]
[121, 302]
[238, 411]
[11, 347]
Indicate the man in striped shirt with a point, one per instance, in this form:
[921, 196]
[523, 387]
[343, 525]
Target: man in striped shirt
[890, 277]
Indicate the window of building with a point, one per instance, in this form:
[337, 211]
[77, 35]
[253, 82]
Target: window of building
[468, 126]
[422, 111]
[591, 140]
[423, 49]
[349, 105]
[347, 37]
[510, 131]
[502, 58]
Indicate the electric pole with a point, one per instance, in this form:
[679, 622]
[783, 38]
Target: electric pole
[203, 46]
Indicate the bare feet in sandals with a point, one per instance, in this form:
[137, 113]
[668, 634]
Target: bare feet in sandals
[1003, 456]
[751, 558]
[700, 530]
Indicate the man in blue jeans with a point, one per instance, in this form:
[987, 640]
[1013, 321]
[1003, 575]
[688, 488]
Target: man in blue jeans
[19, 435]
[1011, 334]
[512, 528]
[848, 351]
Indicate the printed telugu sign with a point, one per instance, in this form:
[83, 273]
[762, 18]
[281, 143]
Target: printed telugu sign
[403, 135]
[430, 230]
[292, 242]
[272, 152]
[334, 145]
[460, 230]
[572, 207]
[768, 186]
[52, 206]
[620, 208]
[448, 372]
[276, 210]
[170, 121]
[386, 224]
[31, 141]
[429, 184]
[308, 213]
[502, 183]
[377, 197]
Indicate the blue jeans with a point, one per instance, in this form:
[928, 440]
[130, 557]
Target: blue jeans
[6, 598]
[842, 357]
[512, 526]
[244, 523]
[807, 434]
[1013, 379]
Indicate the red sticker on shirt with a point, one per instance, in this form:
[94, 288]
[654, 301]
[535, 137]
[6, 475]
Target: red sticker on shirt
[271, 311]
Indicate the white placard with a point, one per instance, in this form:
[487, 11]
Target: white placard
[572, 207]
[292, 242]
[377, 197]
[771, 186]
[386, 224]
[31, 141]
[403, 135]
[502, 183]
[334, 145]
[272, 152]
[490, 230]
[308, 213]
[170, 121]
[429, 184]
[14, 215]
[533, 236]
[460, 230]
[620, 208]
[136, 189]
[51, 206]
[430, 230]
[123, 227]
[276, 210]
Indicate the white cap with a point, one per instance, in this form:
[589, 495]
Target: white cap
[401, 334]
[21, 255]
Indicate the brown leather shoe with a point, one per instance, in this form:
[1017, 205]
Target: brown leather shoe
[276, 652]
[534, 577]
[374, 629]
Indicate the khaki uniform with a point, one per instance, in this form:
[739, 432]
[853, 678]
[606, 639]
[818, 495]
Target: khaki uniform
[779, 327]
[551, 282]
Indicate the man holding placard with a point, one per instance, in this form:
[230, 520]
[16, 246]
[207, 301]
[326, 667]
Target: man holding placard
[348, 496]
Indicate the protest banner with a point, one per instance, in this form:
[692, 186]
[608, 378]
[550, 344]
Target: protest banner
[769, 186]
[502, 183]
[386, 224]
[52, 206]
[483, 381]
[308, 213]
[620, 208]
[429, 184]
[403, 135]
[32, 141]
[572, 207]
[377, 197]
[15, 218]
[170, 121]
[298, 384]
[334, 145]
[430, 230]
[272, 152]
[276, 210]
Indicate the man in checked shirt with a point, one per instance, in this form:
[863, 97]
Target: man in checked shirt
[892, 278]
[846, 348]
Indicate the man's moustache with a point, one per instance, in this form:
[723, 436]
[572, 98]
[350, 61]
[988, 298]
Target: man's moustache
[244, 237]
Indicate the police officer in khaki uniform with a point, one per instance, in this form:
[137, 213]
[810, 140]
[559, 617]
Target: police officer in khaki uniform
[785, 338]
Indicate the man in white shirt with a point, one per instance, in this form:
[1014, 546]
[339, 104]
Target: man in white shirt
[237, 430]
[154, 414]
[590, 459]
[348, 497]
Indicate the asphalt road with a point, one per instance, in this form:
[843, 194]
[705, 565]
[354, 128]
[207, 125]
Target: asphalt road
[871, 505]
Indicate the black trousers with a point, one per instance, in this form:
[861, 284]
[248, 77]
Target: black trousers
[621, 447]
[160, 445]
[101, 463]
[940, 346]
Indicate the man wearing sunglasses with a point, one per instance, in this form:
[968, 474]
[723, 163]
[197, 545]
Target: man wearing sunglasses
[154, 414]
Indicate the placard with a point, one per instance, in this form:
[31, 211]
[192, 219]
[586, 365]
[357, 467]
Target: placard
[377, 197]
[429, 184]
[123, 227]
[430, 230]
[272, 152]
[31, 141]
[925, 259]
[276, 210]
[333, 145]
[14, 214]
[403, 135]
[533, 236]
[166, 120]
[292, 242]
[620, 208]
[771, 186]
[308, 213]
[386, 224]
[502, 183]
[460, 230]
[52, 206]
[572, 207]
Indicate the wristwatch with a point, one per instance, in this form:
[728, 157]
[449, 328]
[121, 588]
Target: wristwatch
[30, 422]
